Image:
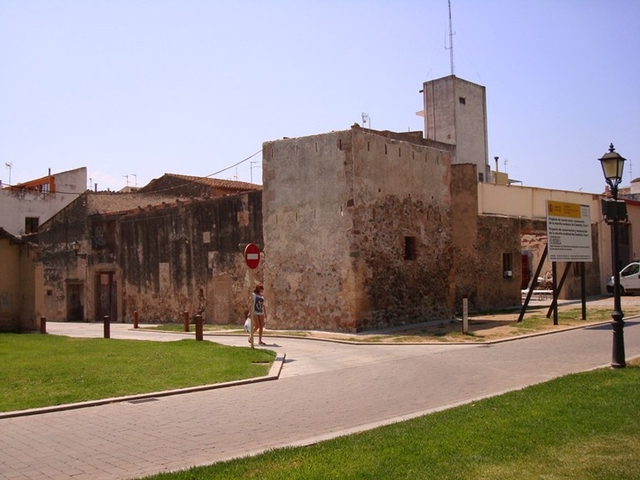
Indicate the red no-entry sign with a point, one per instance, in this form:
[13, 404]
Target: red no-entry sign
[252, 256]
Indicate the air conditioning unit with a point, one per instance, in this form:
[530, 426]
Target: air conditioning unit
[508, 274]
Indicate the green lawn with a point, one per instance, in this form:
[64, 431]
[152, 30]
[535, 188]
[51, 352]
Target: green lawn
[584, 426]
[45, 370]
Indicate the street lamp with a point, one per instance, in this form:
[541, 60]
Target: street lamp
[76, 249]
[612, 167]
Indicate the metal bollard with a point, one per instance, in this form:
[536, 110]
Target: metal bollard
[185, 319]
[199, 327]
[135, 319]
[43, 324]
[107, 326]
[465, 315]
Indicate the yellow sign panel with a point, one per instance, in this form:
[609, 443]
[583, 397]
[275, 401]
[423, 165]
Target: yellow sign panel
[563, 209]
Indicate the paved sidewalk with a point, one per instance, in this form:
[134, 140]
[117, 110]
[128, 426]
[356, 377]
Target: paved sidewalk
[325, 390]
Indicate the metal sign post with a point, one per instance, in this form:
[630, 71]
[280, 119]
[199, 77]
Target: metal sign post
[252, 259]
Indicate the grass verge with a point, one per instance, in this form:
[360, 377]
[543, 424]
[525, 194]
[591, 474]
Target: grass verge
[583, 426]
[45, 370]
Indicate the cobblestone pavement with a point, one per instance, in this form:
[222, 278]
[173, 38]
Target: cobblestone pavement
[325, 390]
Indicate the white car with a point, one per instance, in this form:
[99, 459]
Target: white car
[629, 279]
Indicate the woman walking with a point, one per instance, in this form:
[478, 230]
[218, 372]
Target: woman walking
[259, 312]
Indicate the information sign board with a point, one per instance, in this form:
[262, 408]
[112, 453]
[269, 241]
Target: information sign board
[569, 232]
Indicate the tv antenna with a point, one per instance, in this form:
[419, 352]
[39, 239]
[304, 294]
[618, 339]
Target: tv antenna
[9, 165]
[251, 167]
[451, 34]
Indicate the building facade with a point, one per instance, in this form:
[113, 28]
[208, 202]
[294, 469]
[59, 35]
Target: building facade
[114, 254]
[455, 112]
[25, 206]
[357, 228]
[17, 284]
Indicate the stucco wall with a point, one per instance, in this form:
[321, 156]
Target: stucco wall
[338, 209]
[455, 113]
[17, 296]
[17, 205]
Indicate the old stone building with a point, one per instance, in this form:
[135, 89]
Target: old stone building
[187, 256]
[79, 257]
[357, 228]
[116, 253]
[361, 230]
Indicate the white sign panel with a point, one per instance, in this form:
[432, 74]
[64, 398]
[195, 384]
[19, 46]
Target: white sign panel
[568, 232]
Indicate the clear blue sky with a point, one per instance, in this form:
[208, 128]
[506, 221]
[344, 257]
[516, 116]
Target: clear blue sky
[146, 87]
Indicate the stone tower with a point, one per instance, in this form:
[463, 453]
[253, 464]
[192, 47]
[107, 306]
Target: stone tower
[455, 112]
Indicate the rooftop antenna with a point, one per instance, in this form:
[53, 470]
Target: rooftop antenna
[135, 179]
[252, 163]
[366, 119]
[451, 34]
[9, 165]
[127, 177]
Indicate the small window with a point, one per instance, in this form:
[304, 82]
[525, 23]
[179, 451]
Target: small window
[507, 265]
[409, 248]
[481, 177]
[31, 224]
[463, 101]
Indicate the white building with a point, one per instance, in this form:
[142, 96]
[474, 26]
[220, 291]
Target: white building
[25, 206]
[455, 112]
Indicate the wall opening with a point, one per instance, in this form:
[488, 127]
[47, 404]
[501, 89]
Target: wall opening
[410, 248]
[507, 265]
[31, 224]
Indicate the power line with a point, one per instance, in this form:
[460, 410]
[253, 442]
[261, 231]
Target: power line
[234, 165]
[158, 191]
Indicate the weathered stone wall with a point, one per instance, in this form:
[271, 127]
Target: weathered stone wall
[498, 236]
[65, 273]
[341, 210]
[59, 262]
[464, 193]
[187, 256]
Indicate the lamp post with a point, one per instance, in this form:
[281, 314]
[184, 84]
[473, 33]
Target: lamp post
[612, 167]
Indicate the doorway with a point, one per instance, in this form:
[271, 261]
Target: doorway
[75, 308]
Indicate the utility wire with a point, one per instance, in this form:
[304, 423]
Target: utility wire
[11, 187]
[234, 165]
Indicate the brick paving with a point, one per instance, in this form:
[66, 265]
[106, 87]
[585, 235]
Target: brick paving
[325, 390]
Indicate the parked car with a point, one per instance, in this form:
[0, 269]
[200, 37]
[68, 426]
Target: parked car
[629, 279]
